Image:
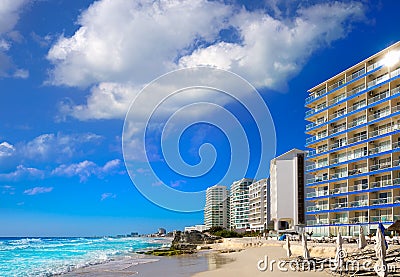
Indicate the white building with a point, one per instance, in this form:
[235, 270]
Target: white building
[287, 190]
[239, 205]
[199, 228]
[259, 205]
[216, 211]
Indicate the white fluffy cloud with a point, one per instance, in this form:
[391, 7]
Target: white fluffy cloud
[6, 149]
[9, 15]
[38, 190]
[122, 45]
[57, 147]
[86, 169]
[23, 172]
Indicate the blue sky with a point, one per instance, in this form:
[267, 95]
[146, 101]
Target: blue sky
[69, 71]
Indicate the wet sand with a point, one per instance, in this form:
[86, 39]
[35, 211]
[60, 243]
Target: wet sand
[176, 266]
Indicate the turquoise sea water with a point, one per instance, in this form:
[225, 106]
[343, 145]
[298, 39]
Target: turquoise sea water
[50, 256]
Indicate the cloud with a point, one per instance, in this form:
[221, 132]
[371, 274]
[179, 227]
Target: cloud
[107, 195]
[122, 45]
[85, 169]
[38, 190]
[10, 11]
[6, 149]
[23, 172]
[7, 189]
[57, 147]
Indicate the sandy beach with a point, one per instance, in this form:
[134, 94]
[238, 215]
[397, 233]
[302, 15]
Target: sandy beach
[232, 257]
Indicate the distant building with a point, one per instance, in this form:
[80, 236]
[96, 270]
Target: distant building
[259, 205]
[239, 205]
[216, 211]
[199, 228]
[287, 190]
[161, 231]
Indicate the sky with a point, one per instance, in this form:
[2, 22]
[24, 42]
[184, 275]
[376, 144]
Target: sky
[116, 115]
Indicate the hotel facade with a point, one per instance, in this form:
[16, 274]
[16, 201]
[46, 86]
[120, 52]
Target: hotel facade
[239, 205]
[259, 205]
[353, 141]
[287, 206]
[216, 210]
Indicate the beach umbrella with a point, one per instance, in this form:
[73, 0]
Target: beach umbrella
[380, 252]
[306, 253]
[361, 239]
[288, 251]
[340, 254]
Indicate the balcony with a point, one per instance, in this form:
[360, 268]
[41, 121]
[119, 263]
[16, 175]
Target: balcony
[359, 187]
[337, 206]
[338, 175]
[394, 73]
[338, 129]
[357, 138]
[320, 221]
[318, 208]
[379, 97]
[382, 165]
[357, 122]
[317, 193]
[380, 184]
[381, 201]
[358, 170]
[336, 85]
[379, 115]
[380, 149]
[378, 80]
[317, 109]
[359, 203]
[355, 75]
[317, 179]
[374, 66]
[338, 190]
[315, 95]
[341, 220]
[381, 218]
[396, 200]
[358, 219]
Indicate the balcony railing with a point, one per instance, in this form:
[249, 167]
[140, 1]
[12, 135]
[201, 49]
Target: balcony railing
[379, 97]
[359, 203]
[318, 208]
[359, 187]
[338, 129]
[338, 175]
[357, 122]
[358, 219]
[379, 166]
[357, 138]
[355, 74]
[336, 206]
[338, 190]
[375, 65]
[379, 115]
[381, 201]
[341, 220]
[337, 84]
[317, 193]
[359, 170]
[378, 80]
[382, 183]
[380, 149]
[317, 179]
[394, 73]
[381, 218]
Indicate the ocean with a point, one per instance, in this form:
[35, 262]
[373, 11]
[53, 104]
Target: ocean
[53, 256]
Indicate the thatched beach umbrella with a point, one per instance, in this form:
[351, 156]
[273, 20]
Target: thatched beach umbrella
[340, 254]
[380, 252]
[306, 253]
[362, 242]
[395, 226]
[288, 251]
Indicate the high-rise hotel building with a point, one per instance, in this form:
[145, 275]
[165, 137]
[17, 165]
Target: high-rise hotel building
[259, 205]
[239, 205]
[353, 143]
[216, 211]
